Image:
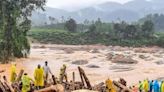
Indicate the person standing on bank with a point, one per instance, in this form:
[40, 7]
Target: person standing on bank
[13, 74]
[47, 70]
[39, 77]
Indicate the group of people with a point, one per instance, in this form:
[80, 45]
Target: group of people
[40, 77]
[149, 86]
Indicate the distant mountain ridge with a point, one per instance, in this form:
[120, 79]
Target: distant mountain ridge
[109, 11]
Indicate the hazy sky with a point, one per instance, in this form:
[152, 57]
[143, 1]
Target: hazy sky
[77, 4]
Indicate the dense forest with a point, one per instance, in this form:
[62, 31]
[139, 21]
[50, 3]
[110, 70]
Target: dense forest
[144, 32]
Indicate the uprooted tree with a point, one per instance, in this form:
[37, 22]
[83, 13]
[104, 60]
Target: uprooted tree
[14, 24]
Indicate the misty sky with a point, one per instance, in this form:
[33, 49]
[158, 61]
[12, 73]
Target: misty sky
[77, 4]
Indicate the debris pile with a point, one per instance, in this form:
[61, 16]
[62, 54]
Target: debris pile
[63, 85]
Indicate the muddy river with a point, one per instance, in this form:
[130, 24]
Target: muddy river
[94, 60]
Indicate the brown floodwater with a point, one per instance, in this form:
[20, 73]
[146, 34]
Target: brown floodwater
[56, 57]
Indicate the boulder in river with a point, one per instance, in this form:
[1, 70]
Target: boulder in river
[143, 56]
[161, 62]
[118, 56]
[109, 56]
[124, 61]
[80, 62]
[93, 66]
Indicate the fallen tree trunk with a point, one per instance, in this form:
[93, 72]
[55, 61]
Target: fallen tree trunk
[73, 80]
[19, 75]
[53, 88]
[83, 75]
[2, 88]
[7, 84]
[84, 90]
[100, 87]
[122, 87]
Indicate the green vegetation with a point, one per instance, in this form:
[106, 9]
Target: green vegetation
[14, 25]
[123, 34]
[71, 25]
[157, 19]
[53, 36]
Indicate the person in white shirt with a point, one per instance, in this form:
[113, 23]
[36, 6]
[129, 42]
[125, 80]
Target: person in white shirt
[46, 71]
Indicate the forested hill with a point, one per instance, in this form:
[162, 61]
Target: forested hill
[109, 11]
[98, 32]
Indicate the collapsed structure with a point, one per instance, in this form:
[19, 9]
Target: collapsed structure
[64, 85]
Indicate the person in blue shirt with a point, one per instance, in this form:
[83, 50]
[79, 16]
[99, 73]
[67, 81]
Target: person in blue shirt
[151, 86]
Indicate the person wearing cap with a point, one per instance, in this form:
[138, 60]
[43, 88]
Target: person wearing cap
[26, 82]
[13, 74]
[47, 70]
[39, 77]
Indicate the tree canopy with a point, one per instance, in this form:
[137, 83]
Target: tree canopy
[71, 25]
[157, 19]
[14, 24]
